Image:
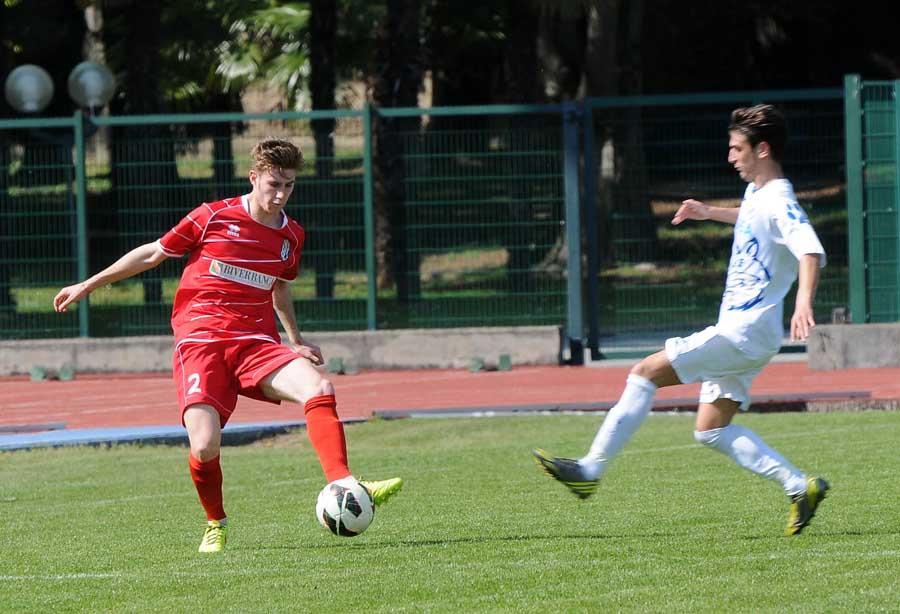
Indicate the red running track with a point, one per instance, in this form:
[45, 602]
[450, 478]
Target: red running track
[99, 401]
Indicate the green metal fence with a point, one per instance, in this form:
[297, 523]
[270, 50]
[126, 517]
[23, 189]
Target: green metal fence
[873, 178]
[649, 154]
[483, 199]
[477, 204]
[445, 217]
[41, 225]
[161, 167]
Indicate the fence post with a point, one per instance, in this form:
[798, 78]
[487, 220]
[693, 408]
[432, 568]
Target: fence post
[571, 153]
[589, 202]
[896, 204]
[81, 236]
[855, 215]
[369, 217]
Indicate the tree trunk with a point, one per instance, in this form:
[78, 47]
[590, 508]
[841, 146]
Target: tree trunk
[145, 155]
[520, 56]
[626, 228]
[398, 79]
[323, 28]
[223, 158]
[641, 244]
[561, 42]
[601, 79]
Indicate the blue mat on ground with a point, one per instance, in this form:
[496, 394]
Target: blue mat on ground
[232, 434]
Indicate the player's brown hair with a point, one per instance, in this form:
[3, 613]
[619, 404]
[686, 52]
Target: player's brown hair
[759, 123]
[272, 153]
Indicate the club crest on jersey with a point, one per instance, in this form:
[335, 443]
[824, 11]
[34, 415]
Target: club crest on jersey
[285, 250]
[241, 275]
[234, 230]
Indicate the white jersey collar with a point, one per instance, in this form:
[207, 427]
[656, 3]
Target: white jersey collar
[245, 201]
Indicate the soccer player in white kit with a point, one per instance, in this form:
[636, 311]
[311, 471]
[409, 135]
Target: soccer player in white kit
[773, 240]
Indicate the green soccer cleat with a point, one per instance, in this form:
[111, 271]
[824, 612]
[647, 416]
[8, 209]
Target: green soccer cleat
[803, 506]
[567, 471]
[382, 490]
[214, 537]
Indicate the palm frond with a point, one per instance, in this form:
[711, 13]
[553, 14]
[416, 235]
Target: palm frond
[286, 21]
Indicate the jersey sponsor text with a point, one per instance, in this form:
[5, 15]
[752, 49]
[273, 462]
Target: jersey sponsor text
[241, 275]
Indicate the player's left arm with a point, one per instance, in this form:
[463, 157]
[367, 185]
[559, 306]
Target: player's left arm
[691, 209]
[791, 228]
[802, 320]
[284, 307]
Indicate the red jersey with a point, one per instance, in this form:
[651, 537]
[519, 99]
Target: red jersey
[226, 288]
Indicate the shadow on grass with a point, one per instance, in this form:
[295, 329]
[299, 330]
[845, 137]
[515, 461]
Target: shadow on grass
[819, 534]
[416, 543]
[805, 537]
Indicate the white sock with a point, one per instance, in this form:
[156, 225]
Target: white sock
[748, 450]
[620, 424]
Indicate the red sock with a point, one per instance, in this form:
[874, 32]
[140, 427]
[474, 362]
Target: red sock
[327, 436]
[208, 481]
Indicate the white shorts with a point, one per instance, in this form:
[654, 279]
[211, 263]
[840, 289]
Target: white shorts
[708, 357]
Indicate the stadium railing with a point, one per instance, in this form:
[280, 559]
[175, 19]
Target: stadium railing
[419, 218]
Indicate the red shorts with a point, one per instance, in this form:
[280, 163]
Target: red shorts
[215, 373]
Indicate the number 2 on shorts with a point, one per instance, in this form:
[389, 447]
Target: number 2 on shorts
[194, 379]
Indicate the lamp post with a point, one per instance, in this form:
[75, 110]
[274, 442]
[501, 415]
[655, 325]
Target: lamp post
[91, 85]
[29, 89]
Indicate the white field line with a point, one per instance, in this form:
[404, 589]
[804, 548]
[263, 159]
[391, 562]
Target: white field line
[84, 402]
[115, 575]
[118, 575]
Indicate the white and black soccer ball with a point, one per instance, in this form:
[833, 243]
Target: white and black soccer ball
[345, 508]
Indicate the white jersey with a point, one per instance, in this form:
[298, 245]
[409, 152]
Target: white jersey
[770, 236]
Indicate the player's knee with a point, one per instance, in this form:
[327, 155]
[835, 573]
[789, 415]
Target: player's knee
[204, 450]
[325, 387]
[315, 388]
[708, 438]
[643, 369]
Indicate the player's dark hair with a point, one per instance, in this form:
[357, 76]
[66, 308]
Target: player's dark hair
[759, 123]
[272, 153]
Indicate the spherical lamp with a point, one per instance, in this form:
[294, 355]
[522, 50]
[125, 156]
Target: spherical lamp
[91, 85]
[29, 89]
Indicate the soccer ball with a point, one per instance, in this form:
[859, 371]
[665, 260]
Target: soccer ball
[345, 508]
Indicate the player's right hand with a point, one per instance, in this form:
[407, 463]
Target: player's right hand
[691, 209]
[69, 295]
[310, 351]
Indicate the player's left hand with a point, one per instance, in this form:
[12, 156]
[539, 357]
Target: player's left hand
[69, 295]
[310, 351]
[690, 209]
[801, 323]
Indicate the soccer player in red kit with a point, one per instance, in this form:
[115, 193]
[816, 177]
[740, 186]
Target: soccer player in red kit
[242, 254]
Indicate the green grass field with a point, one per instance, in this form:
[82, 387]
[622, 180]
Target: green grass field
[674, 527]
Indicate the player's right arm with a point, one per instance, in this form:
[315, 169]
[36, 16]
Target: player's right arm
[691, 209]
[136, 261]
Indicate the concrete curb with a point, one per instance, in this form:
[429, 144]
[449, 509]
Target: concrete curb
[846, 346]
[431, 348]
